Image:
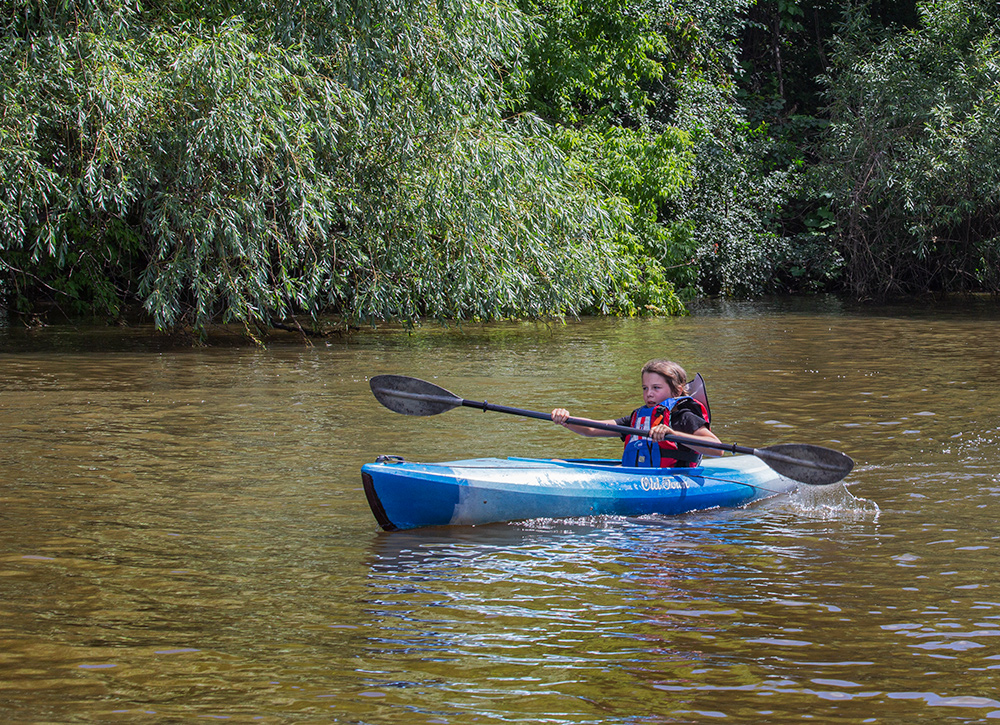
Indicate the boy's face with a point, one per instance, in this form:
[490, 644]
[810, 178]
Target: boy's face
[655, 388]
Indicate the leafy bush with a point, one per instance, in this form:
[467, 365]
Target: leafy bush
[247, 161]
[646, 94]
[736, 191]
[912, 160]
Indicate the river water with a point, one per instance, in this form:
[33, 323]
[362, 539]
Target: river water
[183, 532]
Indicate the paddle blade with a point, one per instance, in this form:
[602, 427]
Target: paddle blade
[813, 465]
[412, 396]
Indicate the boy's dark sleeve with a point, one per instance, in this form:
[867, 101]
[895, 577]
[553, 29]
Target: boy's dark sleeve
[686, 417]
[625, 421]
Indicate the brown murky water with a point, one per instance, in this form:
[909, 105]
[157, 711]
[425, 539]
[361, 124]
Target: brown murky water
[183, 533]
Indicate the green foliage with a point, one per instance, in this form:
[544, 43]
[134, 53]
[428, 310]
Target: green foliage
[912, 159]
[809, 261]
[245, 161]
[638, 172]
[207, 148]
[680, 158]
[492, 255]
[589, 60]
[736, 192]
[597, 71]
[385, 159]
[785, 47]
[730, 208]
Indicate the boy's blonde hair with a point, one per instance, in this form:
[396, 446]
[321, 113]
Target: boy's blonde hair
[672, 372]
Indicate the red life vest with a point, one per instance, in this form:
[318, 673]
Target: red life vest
[645, 452]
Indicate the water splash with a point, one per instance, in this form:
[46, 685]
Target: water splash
[832, 503]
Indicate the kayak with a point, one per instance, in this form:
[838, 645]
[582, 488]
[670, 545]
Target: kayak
[407, 495]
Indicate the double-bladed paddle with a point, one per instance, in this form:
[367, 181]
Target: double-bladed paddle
[814, 465]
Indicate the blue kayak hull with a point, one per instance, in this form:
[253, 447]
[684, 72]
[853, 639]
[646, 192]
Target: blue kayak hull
[407, 495]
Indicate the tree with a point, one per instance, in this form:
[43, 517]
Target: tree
[247, 161]
[911, 159]
[643, 95]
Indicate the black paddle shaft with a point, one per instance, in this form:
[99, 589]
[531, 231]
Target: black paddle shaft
[623, 429]
[809, 464]
[805, 463]
[415, 402]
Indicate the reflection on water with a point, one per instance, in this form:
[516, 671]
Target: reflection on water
[183, 532]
